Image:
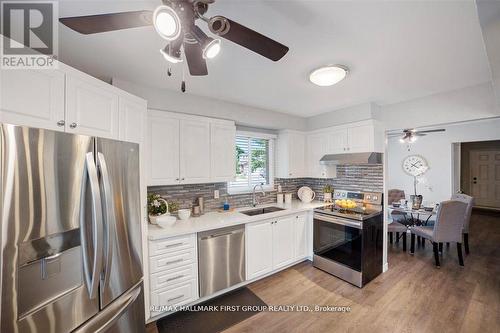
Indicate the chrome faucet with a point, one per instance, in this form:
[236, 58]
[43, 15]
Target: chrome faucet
[254, 198]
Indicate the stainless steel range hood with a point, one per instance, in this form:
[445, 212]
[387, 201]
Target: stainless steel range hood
[353, 158]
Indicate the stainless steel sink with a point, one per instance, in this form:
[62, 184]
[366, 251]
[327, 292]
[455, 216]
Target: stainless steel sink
[260, 211]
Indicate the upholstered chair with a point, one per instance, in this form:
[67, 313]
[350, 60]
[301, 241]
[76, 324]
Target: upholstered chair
[470, 203]
[447, 228]
[395, 195]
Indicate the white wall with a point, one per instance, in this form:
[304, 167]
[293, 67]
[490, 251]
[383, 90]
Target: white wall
[162, 99]
[437, 149]
[470, 103]
[341, 116]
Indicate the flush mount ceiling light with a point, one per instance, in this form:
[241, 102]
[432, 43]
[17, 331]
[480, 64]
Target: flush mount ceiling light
[167, 22]
[328, 75]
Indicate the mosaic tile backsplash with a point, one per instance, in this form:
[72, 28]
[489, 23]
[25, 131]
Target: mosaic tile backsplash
[349, 177]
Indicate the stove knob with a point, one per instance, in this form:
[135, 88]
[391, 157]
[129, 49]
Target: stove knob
[343, 194]
[368, 197]
[375, 198]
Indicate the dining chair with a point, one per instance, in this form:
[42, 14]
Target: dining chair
[397, 228]
[447, 228]
[470, 203]
[395, 195]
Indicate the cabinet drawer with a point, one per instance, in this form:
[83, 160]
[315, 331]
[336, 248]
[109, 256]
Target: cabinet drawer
[171, 244]
[170, 277]
[180, 294]
[173, 260]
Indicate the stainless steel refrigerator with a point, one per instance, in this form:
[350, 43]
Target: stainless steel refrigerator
[70, 233]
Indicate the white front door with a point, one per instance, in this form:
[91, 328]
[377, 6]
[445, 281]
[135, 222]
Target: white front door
[485, 177]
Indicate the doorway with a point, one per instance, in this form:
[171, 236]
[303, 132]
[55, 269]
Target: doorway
[480, 172]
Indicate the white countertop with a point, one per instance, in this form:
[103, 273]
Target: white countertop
[215, 220]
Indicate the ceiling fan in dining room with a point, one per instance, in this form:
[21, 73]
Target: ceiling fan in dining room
[175, 21]
[408, 136]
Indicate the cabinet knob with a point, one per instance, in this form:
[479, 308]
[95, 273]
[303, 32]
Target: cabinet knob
[61, 123]
[344, 149]
[72, 125]
[177, 179]
[183, 178]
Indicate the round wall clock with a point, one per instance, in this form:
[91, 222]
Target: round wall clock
[415, 165]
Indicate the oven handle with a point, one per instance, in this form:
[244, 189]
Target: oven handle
[338, 220]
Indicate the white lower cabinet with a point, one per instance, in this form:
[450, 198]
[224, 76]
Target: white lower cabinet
[259, 248]
[173, 268]
[273, 244]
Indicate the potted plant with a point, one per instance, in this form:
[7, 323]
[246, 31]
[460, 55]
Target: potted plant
[157, 207]
[327, 193]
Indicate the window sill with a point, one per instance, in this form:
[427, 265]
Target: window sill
[268, 188]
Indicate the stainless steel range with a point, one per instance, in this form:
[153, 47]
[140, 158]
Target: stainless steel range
[348, 236]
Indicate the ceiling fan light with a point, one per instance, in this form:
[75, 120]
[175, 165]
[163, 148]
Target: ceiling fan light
[328, 75]
[211, 49]
[170, 55]
[167, 23]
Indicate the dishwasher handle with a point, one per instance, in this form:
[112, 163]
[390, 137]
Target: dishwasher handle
[229, 233]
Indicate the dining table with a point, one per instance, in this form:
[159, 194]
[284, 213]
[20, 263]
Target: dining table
[411, 216]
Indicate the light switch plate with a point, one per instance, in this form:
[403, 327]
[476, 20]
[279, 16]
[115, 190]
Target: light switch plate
[216, 194]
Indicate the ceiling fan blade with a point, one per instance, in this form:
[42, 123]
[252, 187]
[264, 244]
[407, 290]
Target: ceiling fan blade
[93, 24]
[197, 65]
[419, 134]
[432, 131]
[249, 38]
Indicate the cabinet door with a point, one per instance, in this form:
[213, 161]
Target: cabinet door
[32, 98]
[163, 151]
[132, 120]
[317, 147]
[195, 151]
[338, 141]
[300, 236]
[91, 107]
[222, 152]
[360, 139]
[296, 149]
[283, 241]
[259, 249]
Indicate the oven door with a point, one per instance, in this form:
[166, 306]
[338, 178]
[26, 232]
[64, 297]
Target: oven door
[338, 239]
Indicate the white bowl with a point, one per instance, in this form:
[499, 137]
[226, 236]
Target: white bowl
[166, 221]
[184, 214]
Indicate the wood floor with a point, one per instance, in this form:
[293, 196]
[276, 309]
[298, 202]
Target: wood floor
[412, 296]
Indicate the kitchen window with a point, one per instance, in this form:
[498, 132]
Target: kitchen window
[254, 162]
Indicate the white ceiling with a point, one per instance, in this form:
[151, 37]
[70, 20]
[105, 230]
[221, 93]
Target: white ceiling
[396, 50]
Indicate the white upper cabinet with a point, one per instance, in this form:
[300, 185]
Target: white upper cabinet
[223, 151]
[195, 151]
[360, 139]
[91, 107]
[318, 145]
[291, 154]
[132, 119]
[32, 98]
[338, 138]
[185, 149]
[163, 150]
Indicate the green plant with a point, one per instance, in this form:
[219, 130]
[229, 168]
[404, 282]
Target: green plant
[328, 189]
[173, 207]
[156, 205]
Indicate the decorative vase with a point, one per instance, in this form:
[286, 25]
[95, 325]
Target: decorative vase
[327, 197]
[153, 219]
[416, 201]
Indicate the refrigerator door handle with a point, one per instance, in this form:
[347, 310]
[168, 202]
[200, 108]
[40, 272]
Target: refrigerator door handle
[109, 216]
[92, 276]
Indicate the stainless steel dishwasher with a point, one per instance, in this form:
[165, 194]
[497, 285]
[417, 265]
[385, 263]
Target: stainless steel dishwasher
[221, 259]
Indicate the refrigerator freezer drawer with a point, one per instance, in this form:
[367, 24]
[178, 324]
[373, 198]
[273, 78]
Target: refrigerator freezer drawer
[168, 278]
[173, 260]
[169, 245]
[178, 295]
[44, 280]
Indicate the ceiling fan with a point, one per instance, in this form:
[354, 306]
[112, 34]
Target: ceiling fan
[411, 135]
[174, 20]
